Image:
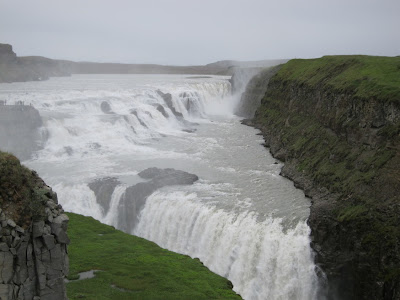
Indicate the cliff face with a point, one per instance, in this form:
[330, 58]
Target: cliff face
[335, 121]
[19, 130]
[33, 239]
[13, 68]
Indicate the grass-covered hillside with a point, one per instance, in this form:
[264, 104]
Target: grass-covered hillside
[335, 121]
[22, 193]
[365, 76]
[133, 268]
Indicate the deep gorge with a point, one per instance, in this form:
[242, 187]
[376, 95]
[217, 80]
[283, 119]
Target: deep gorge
[337, 131]
[333, 122]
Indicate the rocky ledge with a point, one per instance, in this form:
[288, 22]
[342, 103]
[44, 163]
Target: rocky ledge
[134, 198]
[33, 236]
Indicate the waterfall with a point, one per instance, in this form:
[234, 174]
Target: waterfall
[241, 219]
[262, 260]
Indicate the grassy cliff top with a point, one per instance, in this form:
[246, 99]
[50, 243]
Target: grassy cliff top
[364, 76]
[134, 268]
[21, 197]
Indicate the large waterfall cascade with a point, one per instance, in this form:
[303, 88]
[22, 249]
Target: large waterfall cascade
[240, 218]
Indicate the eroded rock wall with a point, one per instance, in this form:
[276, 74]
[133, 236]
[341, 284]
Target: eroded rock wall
[343, 151]
[34, 260]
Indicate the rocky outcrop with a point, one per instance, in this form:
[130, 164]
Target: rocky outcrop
[338, 135]
[19, 130]
[168, 101]
[134, 198]
[167, 97]
[33, 238]
[7, 55]
[103, 189]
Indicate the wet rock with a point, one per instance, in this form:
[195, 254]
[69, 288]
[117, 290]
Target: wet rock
[134, 112]
[168, 100]
[106, 108]
[38, 228]
[164, 177]
[103, 189]
[134, 198]
[161, 109]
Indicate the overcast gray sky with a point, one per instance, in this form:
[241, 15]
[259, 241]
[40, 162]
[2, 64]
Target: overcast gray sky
[187, 32]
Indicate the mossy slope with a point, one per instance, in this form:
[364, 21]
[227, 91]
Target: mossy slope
[363, 76]
[336, 123]
[22, 192]
[134, 268]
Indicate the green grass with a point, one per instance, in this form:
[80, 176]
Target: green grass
[134, 268]
[363, 76]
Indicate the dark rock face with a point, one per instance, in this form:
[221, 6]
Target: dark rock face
[134, 198]
[168, 100]
[19, 130]
[344, 153]
[134, 112]
[34, 260]
[164, 177]
[106, 108]
[103, 189]
[161, 109]
[7, 55]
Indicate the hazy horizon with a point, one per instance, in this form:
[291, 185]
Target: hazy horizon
[180, 32]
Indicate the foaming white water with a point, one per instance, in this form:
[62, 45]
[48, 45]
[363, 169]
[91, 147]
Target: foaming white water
[78, 199]
[111, 217]
[261, 259]
[242, 219]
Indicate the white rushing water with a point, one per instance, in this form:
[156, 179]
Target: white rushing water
[242, 219]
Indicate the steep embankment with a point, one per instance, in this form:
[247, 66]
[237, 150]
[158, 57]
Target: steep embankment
[335, 121]
[130, 267]
[33, 239]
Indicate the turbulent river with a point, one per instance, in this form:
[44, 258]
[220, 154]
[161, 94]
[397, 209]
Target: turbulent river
[240, 218]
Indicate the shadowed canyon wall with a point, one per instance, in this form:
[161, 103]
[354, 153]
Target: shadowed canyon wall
[335, 123]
